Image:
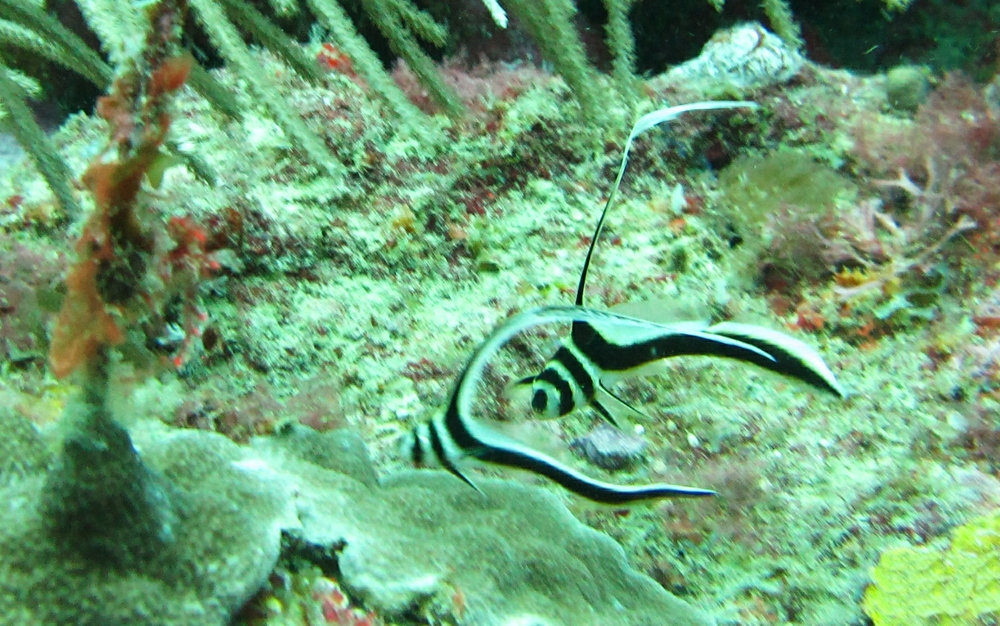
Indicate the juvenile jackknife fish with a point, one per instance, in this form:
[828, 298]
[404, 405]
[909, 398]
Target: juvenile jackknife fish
[454, 436]
[591, 360]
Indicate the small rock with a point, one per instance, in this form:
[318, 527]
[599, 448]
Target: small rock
[609, 448]
[744, 57]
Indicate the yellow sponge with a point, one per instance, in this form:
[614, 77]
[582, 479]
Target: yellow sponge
[946, 587]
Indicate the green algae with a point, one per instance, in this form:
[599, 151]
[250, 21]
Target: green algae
[755, 188]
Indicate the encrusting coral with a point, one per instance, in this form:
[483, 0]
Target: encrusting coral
[419, 544]
[951, 586]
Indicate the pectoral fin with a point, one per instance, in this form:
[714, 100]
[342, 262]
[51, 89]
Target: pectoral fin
[615, 410]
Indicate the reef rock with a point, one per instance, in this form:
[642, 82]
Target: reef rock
[402, 544]
[738, 60]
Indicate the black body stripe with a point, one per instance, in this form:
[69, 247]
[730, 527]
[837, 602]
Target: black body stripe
[459, 434]
[613, 357]
[604, 412]
[417, 452]
[443, 457]
[581, 486]
[576, 369]
[785, 362]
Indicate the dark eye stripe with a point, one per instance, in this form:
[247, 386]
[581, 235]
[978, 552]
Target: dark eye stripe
[561, 385]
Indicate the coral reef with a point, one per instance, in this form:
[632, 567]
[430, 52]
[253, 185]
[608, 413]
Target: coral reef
[228, 278]
[419, 544]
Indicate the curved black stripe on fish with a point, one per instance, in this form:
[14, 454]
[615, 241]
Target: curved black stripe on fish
[457, 428]
[579, 484]
[583, 378]
[790, 356]
[564, 390]
[612, 357]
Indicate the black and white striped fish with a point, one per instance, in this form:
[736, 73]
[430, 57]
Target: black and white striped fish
[454, 436]
[602, 346]
[592, 359]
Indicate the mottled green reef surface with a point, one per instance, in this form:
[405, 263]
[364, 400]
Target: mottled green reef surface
[222, 442]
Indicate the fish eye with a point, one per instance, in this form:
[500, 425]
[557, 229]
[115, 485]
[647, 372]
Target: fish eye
[539, 401]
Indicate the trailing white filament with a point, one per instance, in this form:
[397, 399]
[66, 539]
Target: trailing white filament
[497, 12]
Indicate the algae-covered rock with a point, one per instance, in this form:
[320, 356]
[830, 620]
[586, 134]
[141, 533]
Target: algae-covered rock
[225, 541]
[101, 501]
[514, 551]
[754, 189]
[341, 450]
[906, 87]
[404, 547]
[737, 60]
[777, 204]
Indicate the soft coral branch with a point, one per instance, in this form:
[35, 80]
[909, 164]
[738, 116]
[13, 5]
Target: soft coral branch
[85, 325]
[118, 242]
